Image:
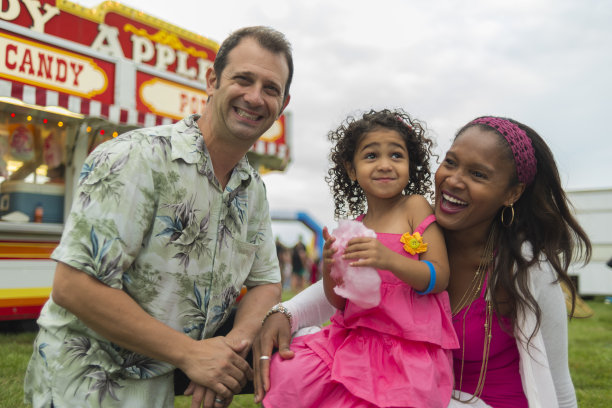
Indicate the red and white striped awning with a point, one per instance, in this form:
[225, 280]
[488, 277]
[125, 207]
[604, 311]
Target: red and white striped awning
[33, 95]
[271, 149]
[275, 156]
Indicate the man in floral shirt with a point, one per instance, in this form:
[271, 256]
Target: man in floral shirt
[167, 225]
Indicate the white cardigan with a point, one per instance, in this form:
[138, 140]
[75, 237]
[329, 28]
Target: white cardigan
[543, 365]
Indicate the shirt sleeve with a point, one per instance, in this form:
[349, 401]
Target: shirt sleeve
[265, 268]
[551, 300]
[112, 211]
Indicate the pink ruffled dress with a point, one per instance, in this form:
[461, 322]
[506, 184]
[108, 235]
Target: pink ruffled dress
[397, 354]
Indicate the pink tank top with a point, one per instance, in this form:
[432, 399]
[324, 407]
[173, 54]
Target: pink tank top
[503, 387]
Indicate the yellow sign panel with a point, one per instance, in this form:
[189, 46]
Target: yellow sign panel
[166, 98]
[275, 132]
[50, 67]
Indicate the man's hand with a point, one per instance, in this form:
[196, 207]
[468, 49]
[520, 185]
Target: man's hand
[217, 365]
[276, 332]
[204, 397]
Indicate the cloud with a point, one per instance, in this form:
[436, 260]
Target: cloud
[543, 62]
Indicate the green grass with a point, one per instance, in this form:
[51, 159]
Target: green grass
[590, 354]
[240, 401]
[15, 351]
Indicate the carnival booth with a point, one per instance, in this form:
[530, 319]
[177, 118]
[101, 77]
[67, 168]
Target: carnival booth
[71, 78]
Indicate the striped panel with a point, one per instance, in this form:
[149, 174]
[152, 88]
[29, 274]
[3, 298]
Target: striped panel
[20, 312]
[24, 297]
[26, 250]
[42, 97]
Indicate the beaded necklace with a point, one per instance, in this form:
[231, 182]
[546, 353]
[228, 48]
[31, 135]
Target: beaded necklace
[472, 293]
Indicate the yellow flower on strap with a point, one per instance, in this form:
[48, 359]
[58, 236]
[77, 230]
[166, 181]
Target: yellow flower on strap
[413, 243]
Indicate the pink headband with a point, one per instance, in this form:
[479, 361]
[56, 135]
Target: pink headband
[522, 149]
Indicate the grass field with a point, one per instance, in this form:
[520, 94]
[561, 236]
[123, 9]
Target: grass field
[590, 355]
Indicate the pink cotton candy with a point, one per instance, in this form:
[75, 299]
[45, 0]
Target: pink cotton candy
[359, 284]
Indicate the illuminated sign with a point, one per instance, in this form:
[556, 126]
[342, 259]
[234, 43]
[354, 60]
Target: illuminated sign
[118, 31]
[170, 99]
[50, 67]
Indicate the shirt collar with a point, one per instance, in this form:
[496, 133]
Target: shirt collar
[188, 145]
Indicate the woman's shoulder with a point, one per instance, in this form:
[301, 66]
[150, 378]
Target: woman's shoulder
[541, 272]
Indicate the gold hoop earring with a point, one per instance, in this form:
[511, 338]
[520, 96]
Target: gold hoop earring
[511, 207]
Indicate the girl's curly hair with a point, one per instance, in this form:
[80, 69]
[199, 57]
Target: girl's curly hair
[349, 198]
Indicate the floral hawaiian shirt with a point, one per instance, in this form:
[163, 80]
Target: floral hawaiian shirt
[150, 218]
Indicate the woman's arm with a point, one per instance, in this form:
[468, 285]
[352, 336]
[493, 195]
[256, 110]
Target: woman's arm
[551, 300]
[309, 308]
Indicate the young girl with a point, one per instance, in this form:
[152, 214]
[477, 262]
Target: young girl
[397, 353]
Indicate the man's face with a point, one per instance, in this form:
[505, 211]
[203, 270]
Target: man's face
[248, 96]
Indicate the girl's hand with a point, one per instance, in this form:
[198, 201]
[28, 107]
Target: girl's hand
[368, 252]
[328, 282]
[328, 251]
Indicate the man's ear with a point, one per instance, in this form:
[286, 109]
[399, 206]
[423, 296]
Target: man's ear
[285, 103]
[211, 81]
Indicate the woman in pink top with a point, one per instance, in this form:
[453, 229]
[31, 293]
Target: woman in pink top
[510, 237]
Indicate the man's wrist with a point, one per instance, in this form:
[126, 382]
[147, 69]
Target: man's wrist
[182, 356]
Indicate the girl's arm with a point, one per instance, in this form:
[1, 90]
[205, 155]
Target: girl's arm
[370, 252]
[436, 245]
[328, 282]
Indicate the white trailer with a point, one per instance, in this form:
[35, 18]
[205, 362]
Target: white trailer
[593, 209]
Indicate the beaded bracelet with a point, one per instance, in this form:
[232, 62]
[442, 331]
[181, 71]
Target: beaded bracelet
[432, 278]
[278, 308]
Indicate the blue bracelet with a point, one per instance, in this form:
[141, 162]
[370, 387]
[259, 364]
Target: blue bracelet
[432, 278]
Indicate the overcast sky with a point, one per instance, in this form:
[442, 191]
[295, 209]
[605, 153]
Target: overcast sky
[547, 63]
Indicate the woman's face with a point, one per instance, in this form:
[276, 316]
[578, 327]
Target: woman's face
[473, 181]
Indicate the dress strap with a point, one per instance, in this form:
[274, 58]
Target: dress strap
[421, 227]
[425, 223]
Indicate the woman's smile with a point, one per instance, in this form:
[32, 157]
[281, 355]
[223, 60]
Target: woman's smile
[451, 204]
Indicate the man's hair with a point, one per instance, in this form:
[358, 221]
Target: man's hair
[269, 38]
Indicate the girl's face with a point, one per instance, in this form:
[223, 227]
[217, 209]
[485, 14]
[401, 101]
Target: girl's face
[380, 164]
[473, 181]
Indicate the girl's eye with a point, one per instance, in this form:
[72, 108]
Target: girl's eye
[479, 174]
[449, 162]
[397, 155]
[370, 156]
